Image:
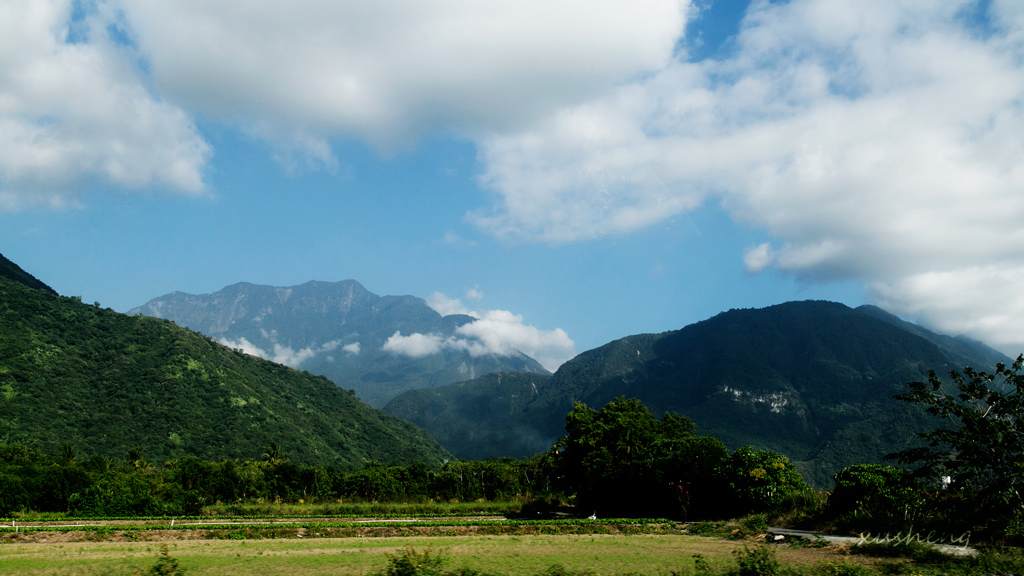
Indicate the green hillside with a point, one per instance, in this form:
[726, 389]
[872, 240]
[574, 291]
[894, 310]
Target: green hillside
[811, 380]
[480, 418]
[108, 382]
[12, 271]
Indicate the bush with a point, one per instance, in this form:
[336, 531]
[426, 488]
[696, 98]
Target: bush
[165, 565]
[409, 562]
[872, 496]
[757, 561]
[13, 496]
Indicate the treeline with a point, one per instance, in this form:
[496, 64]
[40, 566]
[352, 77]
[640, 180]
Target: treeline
[97, 486]
[617, 461]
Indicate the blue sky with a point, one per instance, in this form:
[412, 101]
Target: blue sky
[597, 168]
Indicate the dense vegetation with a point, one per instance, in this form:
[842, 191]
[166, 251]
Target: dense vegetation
[107, 383]
[323, 318]
[12, 271]
[622, 461]
[617, 461]
[811, 380]
[131, 486]
[477, 419]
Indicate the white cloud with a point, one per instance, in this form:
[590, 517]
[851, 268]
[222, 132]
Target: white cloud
[392, 70]
[414, 345]
[983, 301]
[352, 348]
[502, 332]
[283, 354]
[77, 107]
[873, 140]
[446, 306]
[498, 332]
[244, 345]
[474, 293]
[76, 113]
[758, 258]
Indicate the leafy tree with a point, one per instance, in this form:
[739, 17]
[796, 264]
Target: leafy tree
[621, 460]
[982, 450]
[758, 481]
[272, 455]
[876, 497]
[12, 494]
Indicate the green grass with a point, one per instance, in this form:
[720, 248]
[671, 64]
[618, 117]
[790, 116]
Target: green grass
[655, 555]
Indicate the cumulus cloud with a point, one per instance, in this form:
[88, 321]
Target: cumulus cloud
[414, 345]
[498, 332]
[873, 140]
[106, 91]
[352, 348]
[502, 332]
[74, 110]
[392, 70]
[283, 354]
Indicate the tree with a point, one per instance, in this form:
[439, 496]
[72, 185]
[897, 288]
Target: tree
[876, 497]
[272, 456]
[621, 460]
[757, 481]
[981, 452]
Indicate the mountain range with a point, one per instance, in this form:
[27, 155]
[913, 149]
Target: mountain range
[342, 331]
[106, 383]
[811, 380]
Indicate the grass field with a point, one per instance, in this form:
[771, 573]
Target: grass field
[654, 555]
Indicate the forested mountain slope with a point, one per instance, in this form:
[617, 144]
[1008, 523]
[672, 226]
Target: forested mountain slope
[480, 418]
[12, 271]
[107, 382]
[338, 330]
[811, 380]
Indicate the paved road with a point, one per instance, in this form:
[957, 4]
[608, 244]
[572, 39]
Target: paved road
[961, 548]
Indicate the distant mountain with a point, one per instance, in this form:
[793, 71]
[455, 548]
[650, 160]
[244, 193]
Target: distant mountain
[107, 382]
[12, 271]
[338, 330]
[811, 380]
[481, 418]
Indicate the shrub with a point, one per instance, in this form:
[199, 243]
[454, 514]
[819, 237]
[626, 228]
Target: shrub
[165, 565]
[757, 561]
[409, 562]
[873, 496]
[559, 570]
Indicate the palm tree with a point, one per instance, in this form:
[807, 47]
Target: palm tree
[273, 455]
[67, 453]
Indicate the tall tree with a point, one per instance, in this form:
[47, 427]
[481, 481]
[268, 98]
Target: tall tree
[980, 454]
[621, 460]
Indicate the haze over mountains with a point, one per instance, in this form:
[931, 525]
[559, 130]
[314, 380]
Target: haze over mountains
[106, 383]
[811, 380]
[378, 346]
